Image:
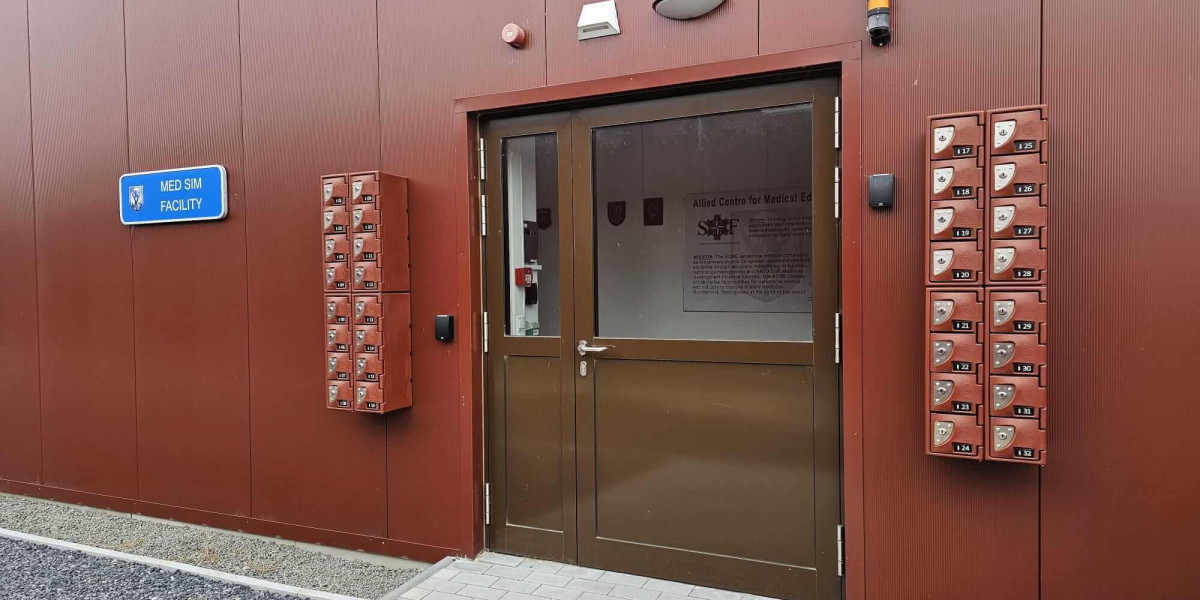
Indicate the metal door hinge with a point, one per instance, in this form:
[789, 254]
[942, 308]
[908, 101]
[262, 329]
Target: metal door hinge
[487, 509]
[841, 550]
[483, 215]
[837, 338]
[482, 161]
[837, 122]
[837, 193]
[486, 332]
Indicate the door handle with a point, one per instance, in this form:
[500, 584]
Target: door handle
[584, 348]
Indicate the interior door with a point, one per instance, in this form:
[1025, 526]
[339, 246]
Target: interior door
[705, 299]
[530, 331]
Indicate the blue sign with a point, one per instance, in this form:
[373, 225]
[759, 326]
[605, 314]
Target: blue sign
[174, 195]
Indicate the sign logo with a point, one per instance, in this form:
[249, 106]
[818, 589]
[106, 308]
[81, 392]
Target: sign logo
[616, 212]
[136, 197]
[717, 227]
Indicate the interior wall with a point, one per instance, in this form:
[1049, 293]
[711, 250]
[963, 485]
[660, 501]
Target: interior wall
[102, 397]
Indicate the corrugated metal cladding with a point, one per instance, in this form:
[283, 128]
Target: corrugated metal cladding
[178, 365]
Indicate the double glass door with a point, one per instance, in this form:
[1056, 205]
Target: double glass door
[661, 285]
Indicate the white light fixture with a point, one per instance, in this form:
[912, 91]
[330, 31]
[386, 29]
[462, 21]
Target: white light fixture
[598, 19]
[685, 9]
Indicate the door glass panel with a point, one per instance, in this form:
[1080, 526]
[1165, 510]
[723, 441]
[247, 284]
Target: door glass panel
[703, 227]
[531, 232]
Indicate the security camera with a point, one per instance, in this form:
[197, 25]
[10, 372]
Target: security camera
[685, 9]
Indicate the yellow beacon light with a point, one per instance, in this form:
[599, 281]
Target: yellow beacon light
[879, 21]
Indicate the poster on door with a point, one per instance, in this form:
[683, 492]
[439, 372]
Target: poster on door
[748, 251]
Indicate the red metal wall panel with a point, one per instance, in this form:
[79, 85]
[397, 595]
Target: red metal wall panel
[1119, 490]
[424, 442]
[796, 24]
[648, 42]
[84, 279]
[930, 523]
[20, 437]
[310, 107]
[189, 279]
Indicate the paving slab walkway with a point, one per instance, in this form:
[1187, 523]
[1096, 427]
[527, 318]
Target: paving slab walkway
[502, 577]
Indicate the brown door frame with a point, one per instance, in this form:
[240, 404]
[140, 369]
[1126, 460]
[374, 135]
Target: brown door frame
[846, 58]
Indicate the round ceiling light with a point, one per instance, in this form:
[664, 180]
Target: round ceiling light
[685, 9]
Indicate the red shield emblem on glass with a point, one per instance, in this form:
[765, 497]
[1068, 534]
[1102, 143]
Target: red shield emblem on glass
[616, 212]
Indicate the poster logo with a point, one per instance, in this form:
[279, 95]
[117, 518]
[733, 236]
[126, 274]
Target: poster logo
[717, 227]
[135, 197]
[616, 212]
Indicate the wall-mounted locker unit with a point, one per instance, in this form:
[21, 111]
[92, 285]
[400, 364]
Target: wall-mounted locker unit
[368, 320]
[987, 222]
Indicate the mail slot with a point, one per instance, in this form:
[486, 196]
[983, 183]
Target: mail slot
[364, 219]
[955, 353]
[368, 397]
[955, 220]
[368, 338]
[1018, 311]
[337, 277]
[334, 220]
[1017, 261]
[370, 367]
[959, 393]
[337, 338]
[337, 248]
[339, 395]
[337, 310]
[364, 187]
[956, 263]
[333, 190]
[367, 309]
[956, 137]
[337, 366]
[367, 276]
[1018, 131]
[955, 179]
[365, 246]
[955, 311]
[1018, 175]
[955, 435]
[1018, 440]
[1019, 218]
[1016, 397]
[1016, 354]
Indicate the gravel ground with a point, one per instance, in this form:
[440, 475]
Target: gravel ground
[32, 571]
[231, 553]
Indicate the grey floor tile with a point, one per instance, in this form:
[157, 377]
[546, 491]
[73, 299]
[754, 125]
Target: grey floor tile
[666, 596]
[587, 585]
[591, 596]
[415, 593]
[517, 596]
[446, 573]
[623, 579]
[580, 572]
[632, 593]
[475, 579]
[714, 594]
[500, 559]
[473, 567]
[509, 572]
[440, 585]
[513, 585]
[543, 566]
[557, 593]
[548, 579]
[444, 596]
[481, 593]
[669, 587]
